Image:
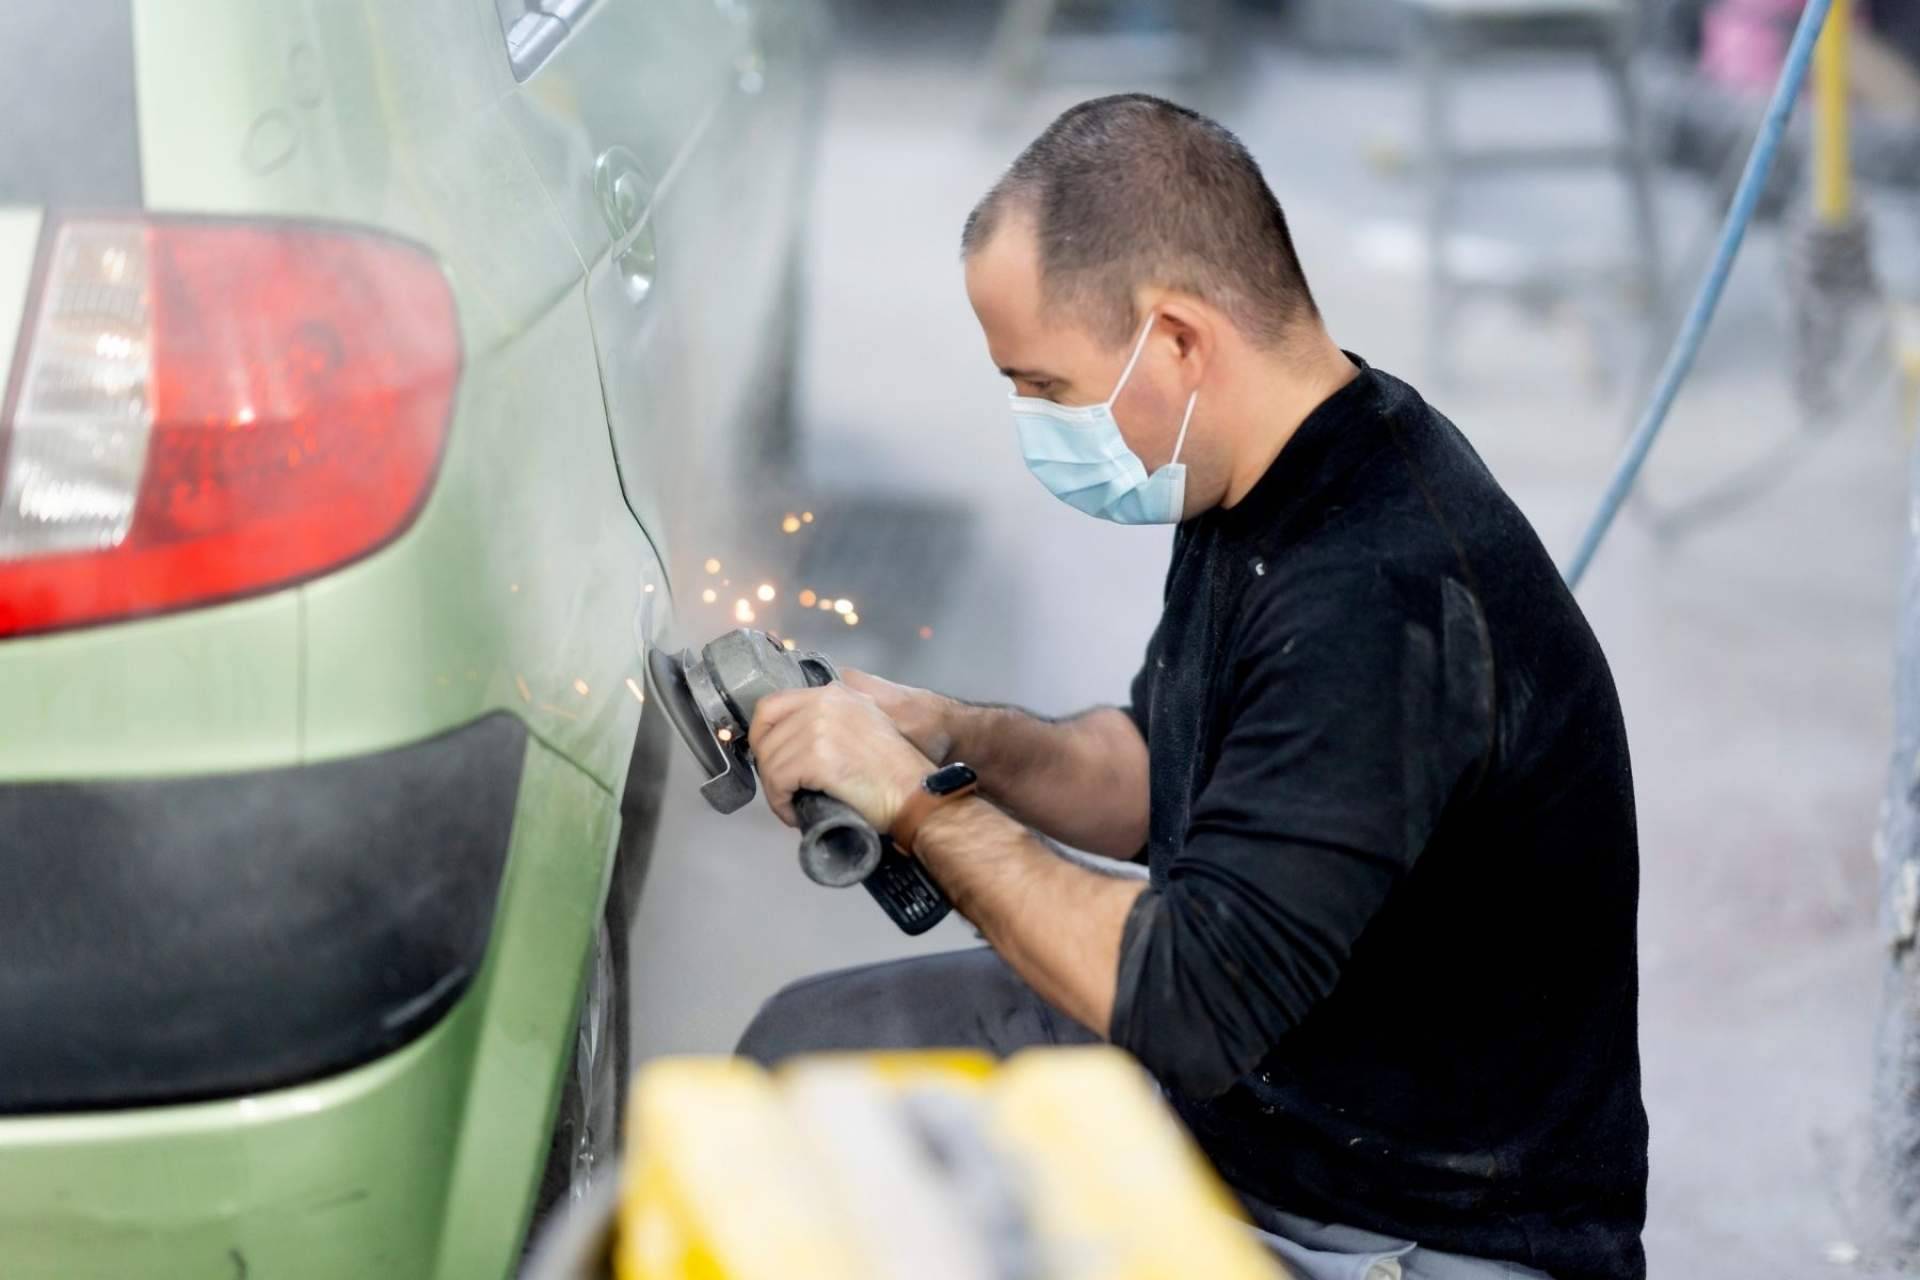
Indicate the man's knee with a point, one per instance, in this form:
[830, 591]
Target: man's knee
[799, 1018]
[959, 999]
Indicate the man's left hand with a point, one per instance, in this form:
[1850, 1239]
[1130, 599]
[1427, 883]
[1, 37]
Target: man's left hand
[835, 740]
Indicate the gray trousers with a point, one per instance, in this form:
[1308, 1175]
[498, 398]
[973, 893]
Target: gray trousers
[972, 1000]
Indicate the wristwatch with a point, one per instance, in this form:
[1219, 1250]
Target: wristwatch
[942, 786]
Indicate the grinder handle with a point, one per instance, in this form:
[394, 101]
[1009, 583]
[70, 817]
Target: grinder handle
[838, 847]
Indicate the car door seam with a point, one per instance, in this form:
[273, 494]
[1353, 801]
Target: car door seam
[613, 445]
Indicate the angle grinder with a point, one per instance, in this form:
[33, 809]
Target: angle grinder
[711, 693]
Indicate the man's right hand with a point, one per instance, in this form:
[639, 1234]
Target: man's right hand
[919, 714]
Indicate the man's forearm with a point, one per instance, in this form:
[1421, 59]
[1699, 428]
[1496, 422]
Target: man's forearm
[1081, 780]
[1057, 923]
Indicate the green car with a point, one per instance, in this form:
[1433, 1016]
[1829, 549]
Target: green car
[368, 361]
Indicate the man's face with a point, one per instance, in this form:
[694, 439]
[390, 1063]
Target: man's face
[1051, 355]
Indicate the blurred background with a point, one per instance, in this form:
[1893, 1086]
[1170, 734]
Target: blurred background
[1746, 599]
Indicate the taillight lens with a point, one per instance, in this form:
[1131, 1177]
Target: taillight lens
[210, 409]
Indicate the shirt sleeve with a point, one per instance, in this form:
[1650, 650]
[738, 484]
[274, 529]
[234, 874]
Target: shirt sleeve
[1357, 707]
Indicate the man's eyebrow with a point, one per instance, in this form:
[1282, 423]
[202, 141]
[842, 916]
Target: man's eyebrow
[1026, 375]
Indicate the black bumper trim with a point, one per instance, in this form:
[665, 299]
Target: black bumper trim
[174, 940]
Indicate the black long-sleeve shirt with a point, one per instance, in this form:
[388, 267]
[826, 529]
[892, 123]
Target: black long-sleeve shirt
[1386, 965]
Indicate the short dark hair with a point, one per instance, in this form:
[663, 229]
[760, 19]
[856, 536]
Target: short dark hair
[1131, 190]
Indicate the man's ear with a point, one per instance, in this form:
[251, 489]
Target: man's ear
[1194, 329]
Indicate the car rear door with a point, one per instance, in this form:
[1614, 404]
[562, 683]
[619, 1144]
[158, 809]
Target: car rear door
[657, 126]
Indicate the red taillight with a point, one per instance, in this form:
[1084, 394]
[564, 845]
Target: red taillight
[208, 410]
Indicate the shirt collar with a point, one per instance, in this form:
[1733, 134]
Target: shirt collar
[1327, 444]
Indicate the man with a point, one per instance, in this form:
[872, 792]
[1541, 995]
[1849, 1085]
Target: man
[1384, 960]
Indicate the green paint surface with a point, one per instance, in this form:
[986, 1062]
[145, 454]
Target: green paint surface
[526, 584]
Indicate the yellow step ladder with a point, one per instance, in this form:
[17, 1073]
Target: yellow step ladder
[1060, 1164]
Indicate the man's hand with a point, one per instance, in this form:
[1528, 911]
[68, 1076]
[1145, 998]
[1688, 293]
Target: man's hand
[1081, 779]
[918, 713]
[839, 741]
[1058, 924]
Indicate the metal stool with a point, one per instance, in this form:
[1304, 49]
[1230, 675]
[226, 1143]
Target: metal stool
[1451, 34]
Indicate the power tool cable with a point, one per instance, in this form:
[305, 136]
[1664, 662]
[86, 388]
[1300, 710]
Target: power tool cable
[1693, 330]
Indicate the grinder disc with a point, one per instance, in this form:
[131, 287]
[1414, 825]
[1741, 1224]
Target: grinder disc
[667, 682]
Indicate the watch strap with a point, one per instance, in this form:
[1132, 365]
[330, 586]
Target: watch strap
[919, 807]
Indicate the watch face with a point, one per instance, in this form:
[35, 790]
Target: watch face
[946, 781]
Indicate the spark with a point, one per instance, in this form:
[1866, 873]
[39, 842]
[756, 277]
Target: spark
[725, 735]
[843, 605]
[786, 644]
[765, 592]
[853, 619]
[807, 599]
[826, 604]
[513, 586]
[246, 415]
[926, 633]
[520, 683]
[649, 588]
[742, 611]
[806, 517]
[791, 524]
[580, 687]
[639, 694]
[709, 596]
[713, 566]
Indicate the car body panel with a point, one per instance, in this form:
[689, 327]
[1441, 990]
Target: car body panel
[564, 119]
[716, 141]
[419, 1164]
[529, 582]
[550, 902]
[415, 1165]
[314, 111]
[521, 587]
[109, 702]
[340, 1178]
[469, 610]
[452, 639]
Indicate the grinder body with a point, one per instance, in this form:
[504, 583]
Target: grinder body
[711, 695]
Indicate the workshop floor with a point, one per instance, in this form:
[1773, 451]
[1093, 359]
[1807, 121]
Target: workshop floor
[1753, 654]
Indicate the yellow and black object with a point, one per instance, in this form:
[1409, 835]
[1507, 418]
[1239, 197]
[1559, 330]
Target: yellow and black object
[1060, 1164]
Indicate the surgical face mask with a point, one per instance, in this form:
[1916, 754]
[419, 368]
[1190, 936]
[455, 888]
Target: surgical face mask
[1078, 453]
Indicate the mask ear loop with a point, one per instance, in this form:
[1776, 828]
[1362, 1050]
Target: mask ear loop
[1139, 345]
[1185, 418]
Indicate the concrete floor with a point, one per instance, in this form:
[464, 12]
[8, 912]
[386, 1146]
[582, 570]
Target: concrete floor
[1753, 655]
